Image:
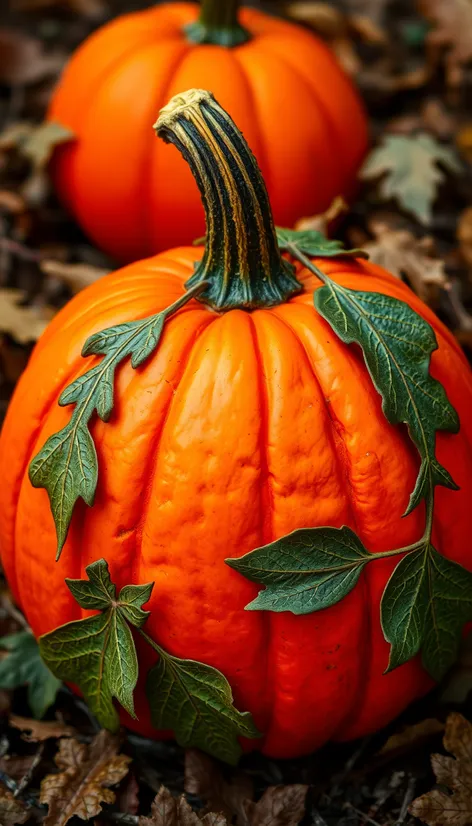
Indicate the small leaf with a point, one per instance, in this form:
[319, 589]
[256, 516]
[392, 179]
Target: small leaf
[306, 571]
[67, 467]
[438, 808]
[195, 701]
[98, 653]
[12, 810]
[409, 164]
[37, 731]
[205, 779]
[24, 666]
[278, 806]
[314, 243]
[82, 784]
[397, 345]
[427, 601]
[167, 810]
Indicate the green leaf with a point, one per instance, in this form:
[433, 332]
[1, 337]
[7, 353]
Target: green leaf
[306, 571]
[314, 243]
[397, 345]
[24, 666]
[98, 653]
[195, 701]
[409, 166]
[67, 465]
[427, 601]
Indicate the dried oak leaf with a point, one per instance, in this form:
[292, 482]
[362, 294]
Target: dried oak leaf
[412, 736]
[170, 811]
[451, 37]
[23, 323]
[278, 806]
[23, 60]
[407, 166]
[12, 810]
[438, 808]
[204, 778]
[36, 731]
[82, 784]
[399, 252]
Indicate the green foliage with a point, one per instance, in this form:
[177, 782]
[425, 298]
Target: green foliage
[315, 244]
[24, 666]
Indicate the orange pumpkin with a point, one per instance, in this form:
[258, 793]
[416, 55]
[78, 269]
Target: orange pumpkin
[298, 111]
[252, 419]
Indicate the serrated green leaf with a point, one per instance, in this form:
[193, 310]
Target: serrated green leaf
[427, 601]
[67, 465]
[306, 571]
[195, 701]
[397, 345]
[314, 243]
[98, 653]
[411, 175]
[24, 666]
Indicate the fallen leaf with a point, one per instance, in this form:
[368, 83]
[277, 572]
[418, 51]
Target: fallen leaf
[408, 169]
[432, 117]
[76, 276]
[24, 666]
[399, 252]
[127, 797]
[83, 783]
[170, 811]
[36, 731]
[322, 222]
[278, 806]
[450, 40]
[16, 767]
[23, 60]
[412, 735]
[438, 808]
[23, 323]
[204, 778]
[12, 810]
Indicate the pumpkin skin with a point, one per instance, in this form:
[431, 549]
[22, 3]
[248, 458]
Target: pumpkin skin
[241, 428]
[134, 196]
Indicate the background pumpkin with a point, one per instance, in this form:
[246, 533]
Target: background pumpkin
[245, 425]
[299, 112]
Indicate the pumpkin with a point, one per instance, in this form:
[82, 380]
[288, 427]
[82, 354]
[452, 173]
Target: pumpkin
[281, 84]
[252, 420]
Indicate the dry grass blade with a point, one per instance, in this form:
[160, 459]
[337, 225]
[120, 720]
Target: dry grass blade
[437, 808]
[82, 784]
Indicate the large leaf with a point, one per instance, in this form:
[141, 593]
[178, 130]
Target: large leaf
[98, 653]
[397, 345]
[24, 666]
[195, 701]
[306, 571]
[425, 606]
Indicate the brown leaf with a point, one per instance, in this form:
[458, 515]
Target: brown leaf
[203, 777]
[36, 731]
[451, 38]
[76, 276]
[322, 222]
[432, 117]
[127, 797]
[437, 808]
[411, 736]
[23, 60]
[26, 323]
[17, 767]
[170, 811]
[399, 252]
[278, 806]
[12, 811]
[82, 784]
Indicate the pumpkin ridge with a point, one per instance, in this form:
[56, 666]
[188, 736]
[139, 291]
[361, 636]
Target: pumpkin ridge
[266, 536]
[157, 437]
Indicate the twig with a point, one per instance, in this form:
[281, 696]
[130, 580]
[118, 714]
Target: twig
[409, 794]
[365, 817]
[26, 779]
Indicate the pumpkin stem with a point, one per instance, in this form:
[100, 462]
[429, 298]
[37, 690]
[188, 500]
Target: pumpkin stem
[218, 24]
[242, 261]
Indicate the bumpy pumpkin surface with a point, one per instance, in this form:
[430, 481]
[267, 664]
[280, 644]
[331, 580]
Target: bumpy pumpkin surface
[134, 196]
[243, 427]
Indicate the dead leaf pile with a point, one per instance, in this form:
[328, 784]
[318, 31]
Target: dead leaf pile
[439, 808]
[86, 773]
